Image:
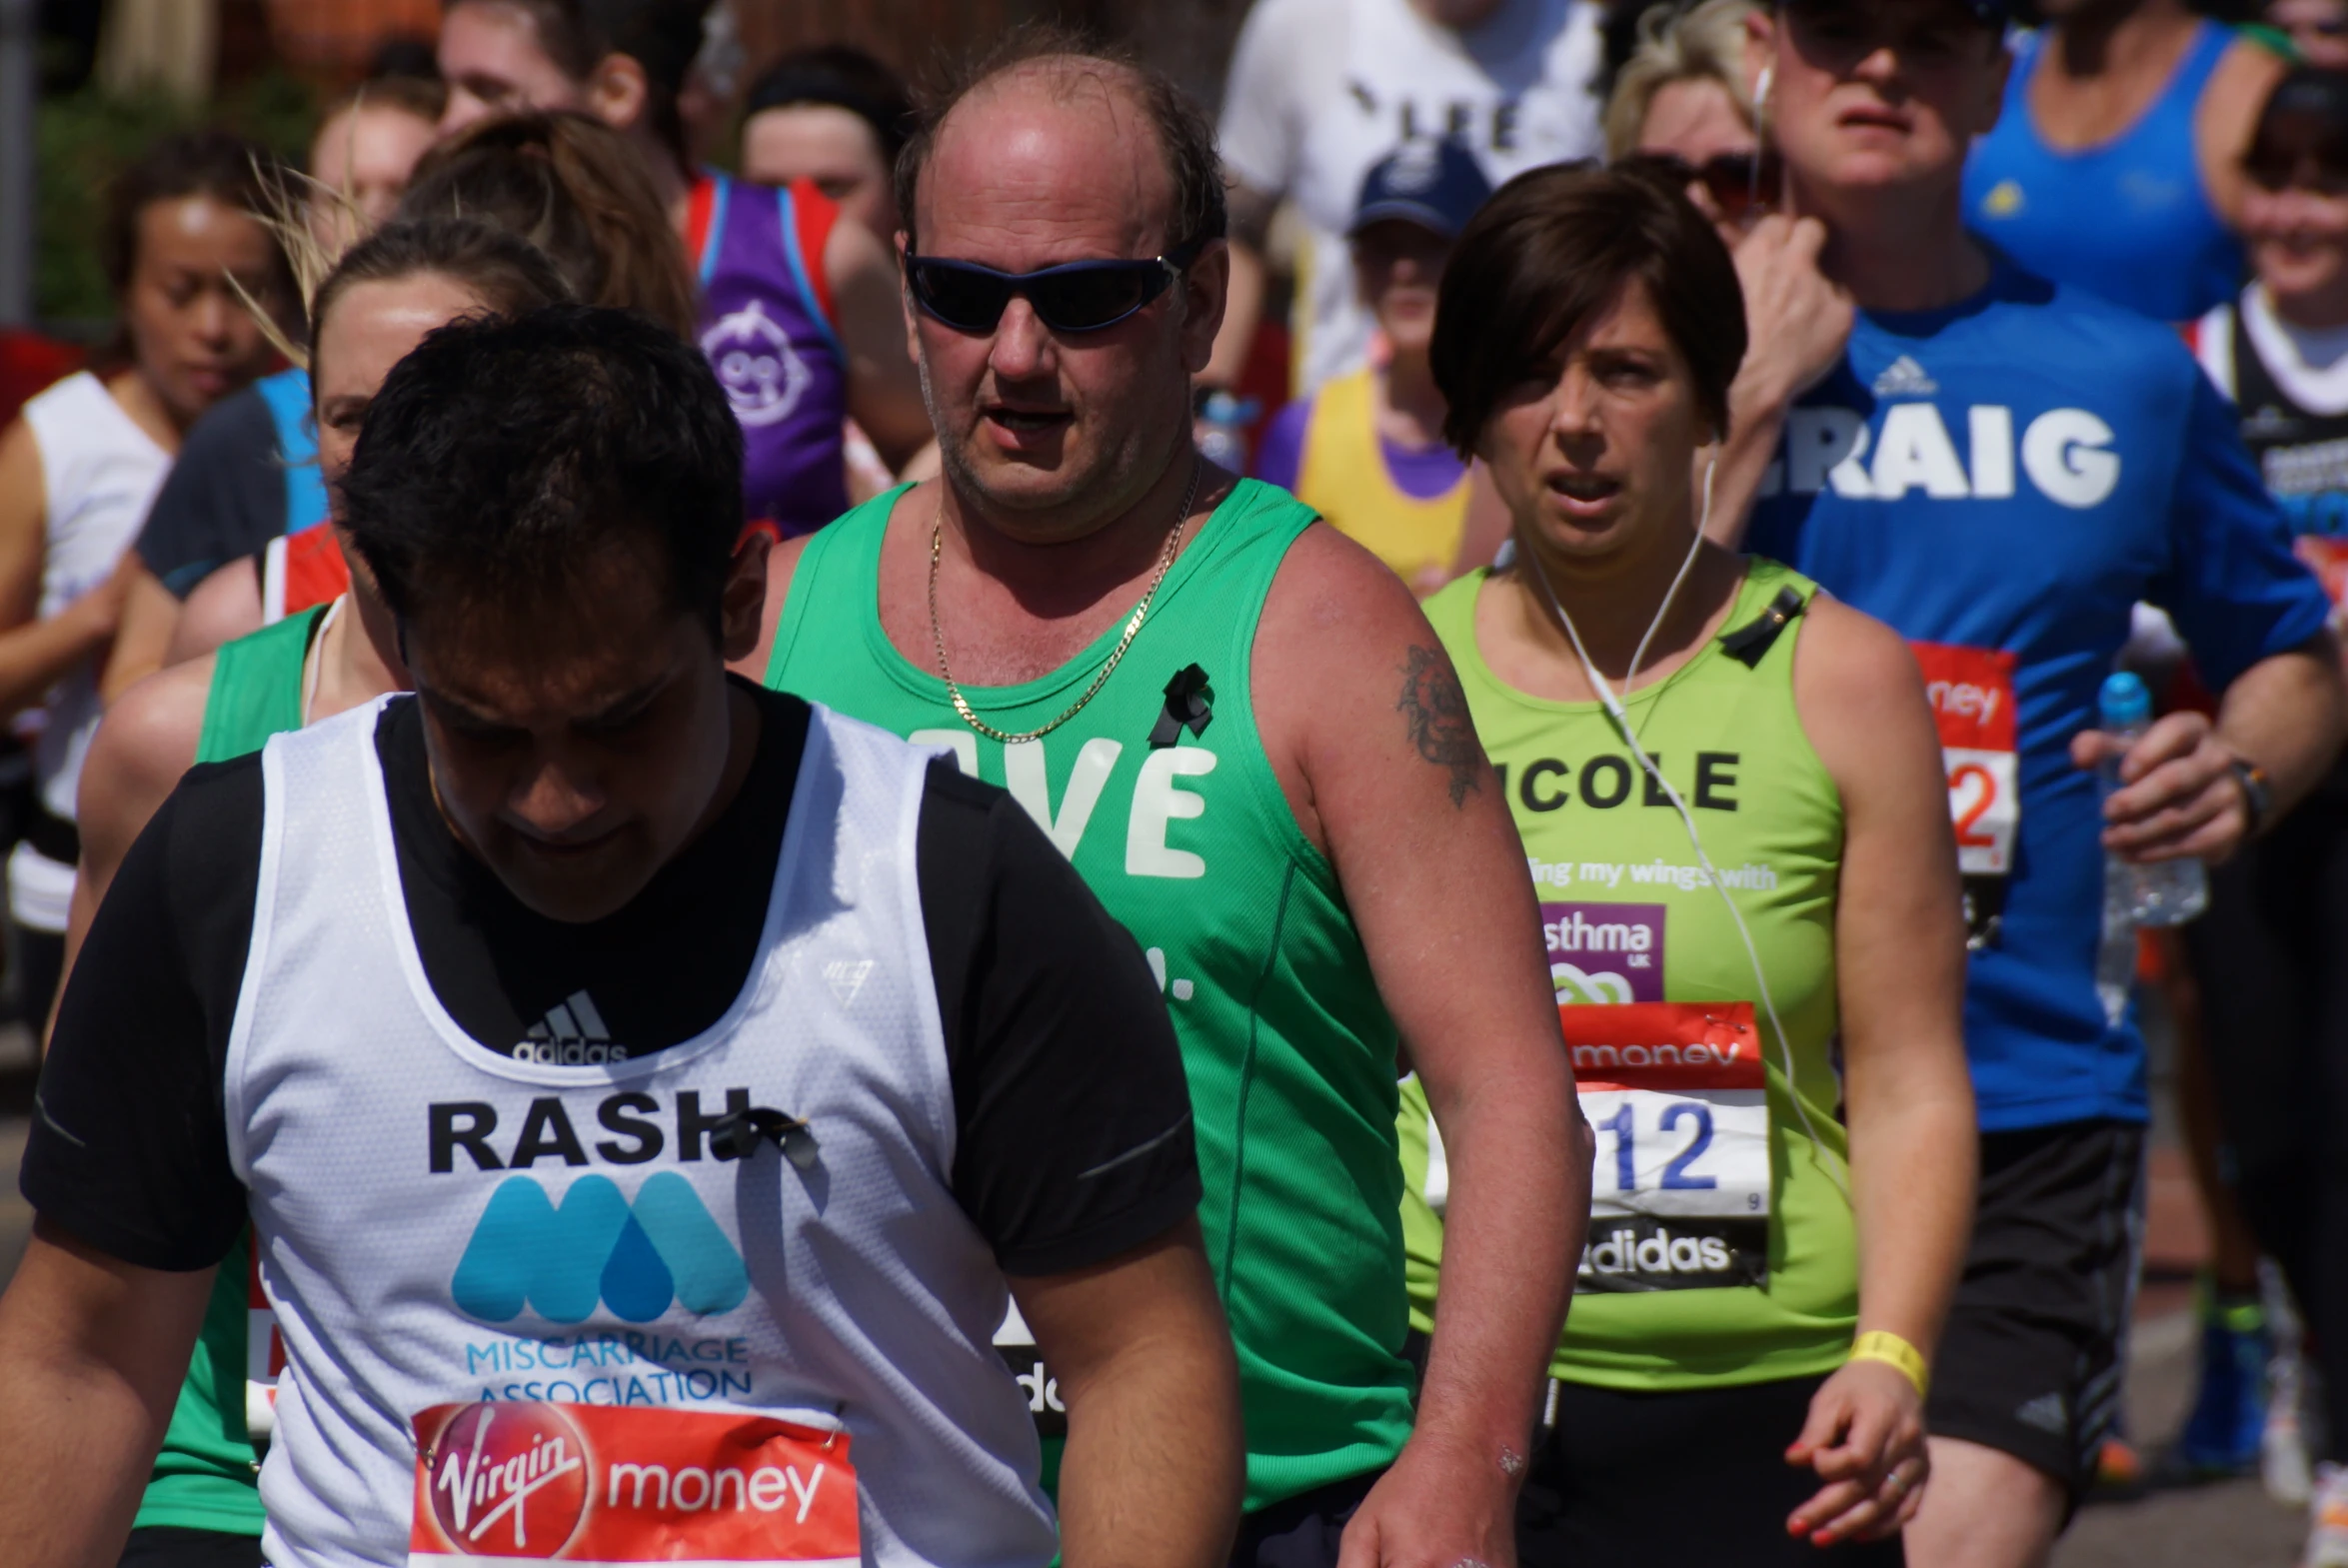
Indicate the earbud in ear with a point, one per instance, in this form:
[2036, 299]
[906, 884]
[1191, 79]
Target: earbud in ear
[1761, 86]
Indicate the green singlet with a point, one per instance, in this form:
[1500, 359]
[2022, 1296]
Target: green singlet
[1721, 1249]
[1190, 843]
[204, 1474]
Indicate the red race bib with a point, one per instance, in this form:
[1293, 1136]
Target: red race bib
[1679, 1098]
[595, 1484]
[1972, 693]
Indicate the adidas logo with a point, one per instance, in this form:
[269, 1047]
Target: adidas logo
[1905, 378]
[2048, 1413]
[572, 1035]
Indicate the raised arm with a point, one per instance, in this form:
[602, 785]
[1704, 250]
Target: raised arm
[1798, 324]
[884, 388]
[1153, 1472]
[1900, 957]
[1366, 724]
[96, 1349]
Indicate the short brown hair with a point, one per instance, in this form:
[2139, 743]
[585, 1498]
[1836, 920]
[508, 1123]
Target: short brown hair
[1185, 139]
[1552, 249]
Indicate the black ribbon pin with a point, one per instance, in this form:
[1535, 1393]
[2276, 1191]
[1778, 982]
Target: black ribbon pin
[1749, 642]
[739, 1133]
[1189, 705]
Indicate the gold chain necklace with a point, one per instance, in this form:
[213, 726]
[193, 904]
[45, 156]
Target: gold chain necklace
[961, 704]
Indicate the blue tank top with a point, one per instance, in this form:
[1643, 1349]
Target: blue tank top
[1999, 482]
[287, 394]
[2130, 219]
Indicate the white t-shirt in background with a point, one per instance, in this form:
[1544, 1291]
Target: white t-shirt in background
[1320, 90]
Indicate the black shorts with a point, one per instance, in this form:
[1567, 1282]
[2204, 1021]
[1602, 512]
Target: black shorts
[1697, 1477]
[2030, 1361]
[170, 1546]
[1304, 1531]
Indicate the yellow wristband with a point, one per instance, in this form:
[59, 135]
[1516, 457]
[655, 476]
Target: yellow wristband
[1895, 1351]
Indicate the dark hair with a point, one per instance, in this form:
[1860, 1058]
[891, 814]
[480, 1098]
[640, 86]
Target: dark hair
[2305, 115]
[232, 171]
[576, 188]
[844, 78]
[1552, 249]
[512, 276]
[1185, 136]
[662, 36]
[503, 458]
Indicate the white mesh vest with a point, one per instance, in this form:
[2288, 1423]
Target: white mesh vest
[610, 1259]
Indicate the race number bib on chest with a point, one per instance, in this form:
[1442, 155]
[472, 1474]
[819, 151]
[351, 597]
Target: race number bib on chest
[1677, 1097]
[593, 1484]
[1973, 696]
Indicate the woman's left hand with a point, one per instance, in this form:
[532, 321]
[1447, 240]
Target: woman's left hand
[1865, 1438]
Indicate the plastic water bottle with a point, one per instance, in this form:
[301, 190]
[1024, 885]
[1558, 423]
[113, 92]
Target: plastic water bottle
[2161, 892]
[1222, 430]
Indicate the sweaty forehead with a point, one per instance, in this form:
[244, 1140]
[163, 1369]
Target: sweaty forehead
[1051, 162]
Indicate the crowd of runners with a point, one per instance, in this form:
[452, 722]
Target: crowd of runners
[708, 887]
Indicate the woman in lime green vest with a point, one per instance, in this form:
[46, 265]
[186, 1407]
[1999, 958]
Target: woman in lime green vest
[1365, 450]
[1730, 797]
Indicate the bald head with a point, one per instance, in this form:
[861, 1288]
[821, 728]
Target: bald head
[1054, 107]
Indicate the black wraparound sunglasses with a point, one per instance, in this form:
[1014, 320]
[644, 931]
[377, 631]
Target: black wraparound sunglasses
[1082, 296]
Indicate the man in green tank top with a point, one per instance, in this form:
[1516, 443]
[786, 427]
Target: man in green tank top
[1240, 728]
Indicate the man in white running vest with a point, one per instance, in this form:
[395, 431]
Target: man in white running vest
[642, 1087]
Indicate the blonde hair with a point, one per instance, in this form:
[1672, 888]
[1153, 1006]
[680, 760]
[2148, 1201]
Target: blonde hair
[1703, 45]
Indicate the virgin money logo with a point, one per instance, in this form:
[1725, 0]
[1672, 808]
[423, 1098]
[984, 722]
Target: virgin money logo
[507, 1481]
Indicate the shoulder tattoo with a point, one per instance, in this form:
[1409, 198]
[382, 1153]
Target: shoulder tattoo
[1437, 711]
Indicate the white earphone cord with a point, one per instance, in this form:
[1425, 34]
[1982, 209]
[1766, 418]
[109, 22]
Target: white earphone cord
[1614, 709]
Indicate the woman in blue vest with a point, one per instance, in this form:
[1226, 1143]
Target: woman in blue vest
[2116, 165]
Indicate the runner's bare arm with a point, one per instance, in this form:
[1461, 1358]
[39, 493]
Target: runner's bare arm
[221, 608]
[135, 760]
[2286, 715]
[1368, 728]
[884, 388]
[1899, 955]
[96, 1349]
[2227, 117]
[149, 611]
[1153, 1472]
[34, 651]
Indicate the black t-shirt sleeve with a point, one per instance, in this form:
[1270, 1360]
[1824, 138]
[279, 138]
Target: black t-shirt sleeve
[224, 497]
[129, 1145]
[1075, 1116]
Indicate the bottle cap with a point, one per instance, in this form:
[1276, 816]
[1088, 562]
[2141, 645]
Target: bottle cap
[2125, 700]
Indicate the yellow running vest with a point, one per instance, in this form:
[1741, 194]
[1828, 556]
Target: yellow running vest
[1343, 476]
[1720, 1246]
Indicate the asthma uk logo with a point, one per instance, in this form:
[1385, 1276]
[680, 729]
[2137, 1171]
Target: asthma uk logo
[507, 1481]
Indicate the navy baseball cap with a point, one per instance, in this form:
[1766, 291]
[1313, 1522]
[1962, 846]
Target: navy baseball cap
[1989, 13]
[1435, 185]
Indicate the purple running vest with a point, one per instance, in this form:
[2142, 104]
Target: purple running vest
[766, 332]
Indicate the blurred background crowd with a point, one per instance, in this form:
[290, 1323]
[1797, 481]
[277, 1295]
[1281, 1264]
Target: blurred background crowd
[137, 136]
